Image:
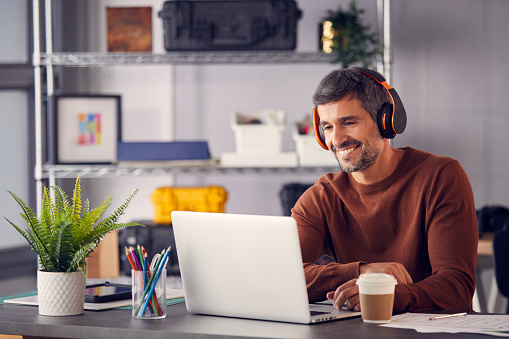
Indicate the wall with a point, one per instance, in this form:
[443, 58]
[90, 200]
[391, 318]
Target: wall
[14, 112]
[450, 65]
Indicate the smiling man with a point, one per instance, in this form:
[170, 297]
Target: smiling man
[405, 212]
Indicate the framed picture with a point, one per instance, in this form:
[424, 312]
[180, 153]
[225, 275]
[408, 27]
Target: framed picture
[87, 128]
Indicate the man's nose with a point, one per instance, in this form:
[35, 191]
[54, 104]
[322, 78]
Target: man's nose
[338, 137]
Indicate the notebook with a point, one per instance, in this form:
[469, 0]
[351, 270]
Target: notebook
[245, 266]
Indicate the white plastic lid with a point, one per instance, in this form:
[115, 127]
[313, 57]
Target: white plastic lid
[376, 279]
[376, 283]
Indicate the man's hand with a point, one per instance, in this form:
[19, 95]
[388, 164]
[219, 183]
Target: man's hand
[349, 291]
[393, 268]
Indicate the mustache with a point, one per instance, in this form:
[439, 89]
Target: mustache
[346, 144]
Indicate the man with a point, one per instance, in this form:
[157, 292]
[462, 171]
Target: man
[399, 211]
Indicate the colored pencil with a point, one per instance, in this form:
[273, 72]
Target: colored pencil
[140, 256]
[135, 259]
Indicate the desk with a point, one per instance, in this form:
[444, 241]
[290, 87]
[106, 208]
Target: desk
[25, 320]
[485, 244]
[485, 262]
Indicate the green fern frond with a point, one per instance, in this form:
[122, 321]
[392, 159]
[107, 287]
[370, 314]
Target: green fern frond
[89, 220]
[110, 223]
[47, 217]
[62, 245]
[77, 200]
[44, 259]
[86, 208]
[38, 233]
[78, 260]
[63, 206]
[101, 230]
[121, 209]
[47, 261]
[28, 238]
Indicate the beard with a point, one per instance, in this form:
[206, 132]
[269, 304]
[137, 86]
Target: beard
[370, 149]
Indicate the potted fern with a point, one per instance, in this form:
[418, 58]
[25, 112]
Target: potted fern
[63, 236]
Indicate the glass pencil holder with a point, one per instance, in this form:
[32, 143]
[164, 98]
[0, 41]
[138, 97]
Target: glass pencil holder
[149, 294]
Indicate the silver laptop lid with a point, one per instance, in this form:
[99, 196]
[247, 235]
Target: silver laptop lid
[242, 266]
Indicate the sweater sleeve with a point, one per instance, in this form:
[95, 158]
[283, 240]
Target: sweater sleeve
[320, 279]
[452, 235]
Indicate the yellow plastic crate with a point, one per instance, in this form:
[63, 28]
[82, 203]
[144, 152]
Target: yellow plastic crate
[197, 199]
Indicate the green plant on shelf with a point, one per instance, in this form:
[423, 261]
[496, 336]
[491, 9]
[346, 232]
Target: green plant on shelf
[67, 233]
[348, 39]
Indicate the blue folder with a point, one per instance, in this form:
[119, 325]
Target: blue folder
[164, 151]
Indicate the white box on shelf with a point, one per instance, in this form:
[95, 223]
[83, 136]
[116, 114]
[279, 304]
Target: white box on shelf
[259, 133]
[283, 159]
[309, 151]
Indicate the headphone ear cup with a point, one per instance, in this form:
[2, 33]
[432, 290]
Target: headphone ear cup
[384, 121]
[318, 130]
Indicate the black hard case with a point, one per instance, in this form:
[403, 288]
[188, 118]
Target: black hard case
[201, 25]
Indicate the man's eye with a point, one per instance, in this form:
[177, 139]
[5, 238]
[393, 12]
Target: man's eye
[326, 127]
[349, 123]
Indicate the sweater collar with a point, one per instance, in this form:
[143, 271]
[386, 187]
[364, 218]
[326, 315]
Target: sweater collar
[387, 181]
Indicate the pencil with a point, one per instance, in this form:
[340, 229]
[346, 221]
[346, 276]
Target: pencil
[135, 258]
[140, 257]
[129, 258]
[448, 316]
[145, 268]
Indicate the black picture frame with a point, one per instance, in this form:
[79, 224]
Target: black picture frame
[87, 128]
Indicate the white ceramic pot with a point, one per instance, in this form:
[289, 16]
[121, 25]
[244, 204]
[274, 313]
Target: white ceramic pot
[61, 294]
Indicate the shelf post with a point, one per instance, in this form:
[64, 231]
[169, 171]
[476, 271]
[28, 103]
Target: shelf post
[38, 173]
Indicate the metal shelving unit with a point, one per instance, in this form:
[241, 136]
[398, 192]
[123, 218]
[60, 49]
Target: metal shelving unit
[48, 59]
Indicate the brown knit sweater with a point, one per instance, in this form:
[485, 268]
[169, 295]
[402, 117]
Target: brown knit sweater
[422, 215]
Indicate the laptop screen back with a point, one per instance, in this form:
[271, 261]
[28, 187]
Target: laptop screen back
[243, 266]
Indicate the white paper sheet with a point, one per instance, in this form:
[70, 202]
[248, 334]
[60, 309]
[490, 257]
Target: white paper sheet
[492, 324]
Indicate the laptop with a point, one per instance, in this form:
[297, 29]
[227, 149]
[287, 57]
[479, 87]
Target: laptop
[245, 266]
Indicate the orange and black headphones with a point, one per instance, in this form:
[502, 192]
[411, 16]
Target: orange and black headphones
[391, 117]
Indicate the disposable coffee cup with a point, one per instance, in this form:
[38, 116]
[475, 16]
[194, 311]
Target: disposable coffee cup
[376, 291]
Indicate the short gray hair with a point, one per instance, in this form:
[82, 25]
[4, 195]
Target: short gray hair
[350, 82]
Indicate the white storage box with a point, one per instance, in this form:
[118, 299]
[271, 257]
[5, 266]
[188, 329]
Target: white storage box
[283, 159]
[264, 136]
[309, 152]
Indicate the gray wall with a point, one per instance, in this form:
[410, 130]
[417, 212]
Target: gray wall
[450, 67]
[15, 113]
